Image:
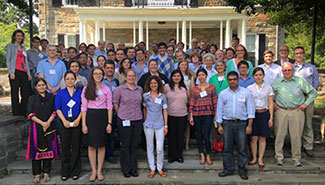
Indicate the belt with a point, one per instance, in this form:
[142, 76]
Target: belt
[234, 120]
[262, 110]
[289, 108]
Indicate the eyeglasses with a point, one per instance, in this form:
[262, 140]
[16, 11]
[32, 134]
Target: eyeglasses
[283, 50]
[301, 53]
[232, 79]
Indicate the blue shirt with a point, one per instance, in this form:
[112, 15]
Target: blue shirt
[99, 52]
[154, 118]
[85, 72]
[308, 72]
[235, 105]
[52, 73]
[63, 100]
[165, 65]
[245, 83]
[140, 71]
[112, 84]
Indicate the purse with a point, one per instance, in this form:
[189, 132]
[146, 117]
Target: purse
[217, 145]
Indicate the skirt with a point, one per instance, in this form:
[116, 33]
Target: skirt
[96, 121]
[260, 124]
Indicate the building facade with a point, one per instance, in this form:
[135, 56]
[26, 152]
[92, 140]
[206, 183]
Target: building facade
[131, 21]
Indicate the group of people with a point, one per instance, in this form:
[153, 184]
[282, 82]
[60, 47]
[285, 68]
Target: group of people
[97, 93]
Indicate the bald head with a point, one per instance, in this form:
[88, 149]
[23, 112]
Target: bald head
[287, 70]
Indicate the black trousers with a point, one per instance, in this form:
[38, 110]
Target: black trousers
[176, 128]
[37, 166]
[22, 85]
[130, 138]
[70, 148]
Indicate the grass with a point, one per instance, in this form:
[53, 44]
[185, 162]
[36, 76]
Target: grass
[319, 104]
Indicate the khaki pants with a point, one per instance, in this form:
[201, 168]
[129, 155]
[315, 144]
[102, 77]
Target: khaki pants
[308, 134]
[294, 121]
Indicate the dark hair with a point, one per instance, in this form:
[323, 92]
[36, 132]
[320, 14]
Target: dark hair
[74, 61]
[90, 92]
[91, 45]
[235, 38]
[109, 62]
[141, 43]
[162, 44]
[36, 38]
[82, 53]
[201, 70]
[232, 73]
[268, 52]
[299, 47]
[121, 50]
[13, 39]
[110, 44]
[37, 80]
[181, 43]
[82, 44]
[130, 48]
[230, 49]
[172, 83]
[92, 62]
[258, 69]
[152, 60]
[213, 46]
[140, 50]
[45, 40]
[172, 39]
[246, 57]
[61, 44]
[181, 52]
[70, 72]
[58, 51]
[206, 51]
[158, 80]
[111, 50]
[100, 56]
[243, 62]
[73, 48]
[121, 69]
[170, 46]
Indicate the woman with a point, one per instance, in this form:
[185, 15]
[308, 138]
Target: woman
[127, 103]
[202, 53]
[101, 61]
[263, 96]
[19, 73]
[213, 49]
[81, 81]
[153, 70]
[219, 80]
[203, 105]
[177, 98]
[90, 62]
[82, 48]
[155, 124]
[67, 106]
[195, 60]
[124, 67]
[42, 140]
[241, 54]
[97, 114]
[230, 54]
[120, 55]
[209, 61]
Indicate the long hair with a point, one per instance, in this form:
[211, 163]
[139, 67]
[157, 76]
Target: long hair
[158, 80]
[121, 68]
[90, 92]
[188, 71]
[246, 57]
[172, 83]
[13, 39]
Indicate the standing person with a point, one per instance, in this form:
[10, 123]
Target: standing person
[127, 103]
[263, 97]
[195, 60]
[234, 42]
[42, 140]
[155, 124]
[293, 95]
[101, 49]
[67, 106]
[235, 114]
[284, 56]
[91, 53]
[177, 98]
[203, 105]
[84, 69]
[165, 64]
[97, 116]
[82, 47]
[308, 72]
[171, 53]
[195, 47]
[120, 55]
[44, 45]
[209, 60]
[72, 54]
[241, 54]
[219, 80]
[120, 75]
[213, 49]
[80, 82]
[244, 79]
[153, 70]
[272, 71]
[100, 61]
[130, 53]
[141, 65]
[230, 54]
[155, 51]
[220, 55]
[19, 73]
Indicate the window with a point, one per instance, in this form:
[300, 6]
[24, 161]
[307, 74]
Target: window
[70, 2]
[252, 47]
[70, 40]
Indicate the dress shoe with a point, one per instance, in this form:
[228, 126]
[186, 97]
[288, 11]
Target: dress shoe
[224, 174]
[180, 160]
[171, 160]
[251, 164]
[261, 165]
[111, 160]
[134, 173]
[243, 175]
[309, 153]
[127, 175]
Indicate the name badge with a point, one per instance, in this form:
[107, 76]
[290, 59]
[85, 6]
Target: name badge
[70, 113]
[296, 91]
[158, 101]
[126, 123]
[71, 124]
[163, 82]
[99, 92]
[40, 55]
[24, 53]
[71, 103]
[221, 78]
[185, 77]
[203, 94]
[52, 72]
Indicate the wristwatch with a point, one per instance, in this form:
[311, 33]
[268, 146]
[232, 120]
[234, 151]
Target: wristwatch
[166, 126]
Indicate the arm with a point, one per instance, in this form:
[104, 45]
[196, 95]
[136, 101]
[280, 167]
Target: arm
[65, 122]
[144, 113]
[116, 107]
[310, 92]
[165, 113]
[249, 126]
[76, 122]
[8, 61]
[219, 114]
[109, 126]
[316, 83]
[84, 126]
[271, 110]
[192, 102]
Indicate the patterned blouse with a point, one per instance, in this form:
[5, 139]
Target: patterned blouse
[203, 104]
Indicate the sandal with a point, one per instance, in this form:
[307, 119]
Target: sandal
[36, 179]
[64, 178]
[151, 174]
[162, 174]
[202, 161]
[209, 162]
[92, 178]
[100, 177]
[75, 177]
[46, 177]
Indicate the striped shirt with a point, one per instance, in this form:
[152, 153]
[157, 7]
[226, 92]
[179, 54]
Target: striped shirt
[205, 105]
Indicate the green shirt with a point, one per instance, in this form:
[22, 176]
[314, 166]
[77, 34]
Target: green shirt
[220, 85]
[292, 93]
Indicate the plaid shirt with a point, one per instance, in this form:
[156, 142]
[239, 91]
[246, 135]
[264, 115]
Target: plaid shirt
[165, 65]
[203, 106]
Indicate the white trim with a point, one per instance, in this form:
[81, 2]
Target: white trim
[243, 32]
[221, 35]
[134, 34]
[147, 35]
[97, 36]
[81, 31]
[140, 31]
[227, 40]
[104, 31]
[177, 32]
[190, 35]
[184, 33]
[84, 30]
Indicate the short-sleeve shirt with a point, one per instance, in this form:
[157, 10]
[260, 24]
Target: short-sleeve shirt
[102, 101]
[64, 102]
[52, 73]
[261, 95]
[176, 101]
[203, 105]
[155, 118]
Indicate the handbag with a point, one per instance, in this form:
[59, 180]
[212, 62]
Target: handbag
[217, 145]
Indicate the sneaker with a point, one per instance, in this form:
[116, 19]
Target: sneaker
[297, 163]
[279, 162]
[243, 175]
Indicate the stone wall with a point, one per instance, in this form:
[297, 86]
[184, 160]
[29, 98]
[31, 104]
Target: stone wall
[4, 82]
[13, 137]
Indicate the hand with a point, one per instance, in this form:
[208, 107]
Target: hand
[191, 121]
[29, 77]
[302, 107]
[165, 131]
[270, 123]
[248, 130]
[220, 129]
[276, 106]
[66, 123]
[12, 76]
[109, 128]
[84, 129]
[46, 125]
[76, 122]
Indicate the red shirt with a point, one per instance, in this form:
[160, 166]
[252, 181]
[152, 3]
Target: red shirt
[20, 61]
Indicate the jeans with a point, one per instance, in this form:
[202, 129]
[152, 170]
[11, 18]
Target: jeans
[234, 132]
[111, 141]
[202, 126]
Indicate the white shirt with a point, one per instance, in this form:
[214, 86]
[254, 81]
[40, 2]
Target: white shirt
[261, 95]
[272, 72]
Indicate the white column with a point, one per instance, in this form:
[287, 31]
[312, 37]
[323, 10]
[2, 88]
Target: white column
[227, 41]
[190, 35]
[96, 32]
[243, 32]
[84, 31]
[134, 34]
[81, 34]
[104, 32]
[147, 35]
[140, 31]
[221, 35]
[177, 32]
[184, 33]
[239, 30]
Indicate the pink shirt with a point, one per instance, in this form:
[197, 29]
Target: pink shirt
[103, 99]
[177, 101]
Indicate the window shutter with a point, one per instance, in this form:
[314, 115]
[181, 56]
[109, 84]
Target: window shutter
[261, 48]
[56, 3]
[61, 38]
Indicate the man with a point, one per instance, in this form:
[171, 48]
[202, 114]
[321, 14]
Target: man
[203, 45]
[271, 71]
[235, 114]
[91, 48]
[180, 46]
[44, 44]
[142, 45]
[101, 49]
[84, 69]
[310, 74]
[72, 54]
[61, 46]
[58, 55]
[180, 56]
[172, 42]
[140, 66]
[195, 47]
[121, 45]
[244, 79]
[52, 70]
[165, 64]
[220, 55]
[34, 55]
[155, 52]
[234, 42]
[290, 103]
[111, 55]
[131, 54]
[170, 53]
[112, 83]
[284, 52]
